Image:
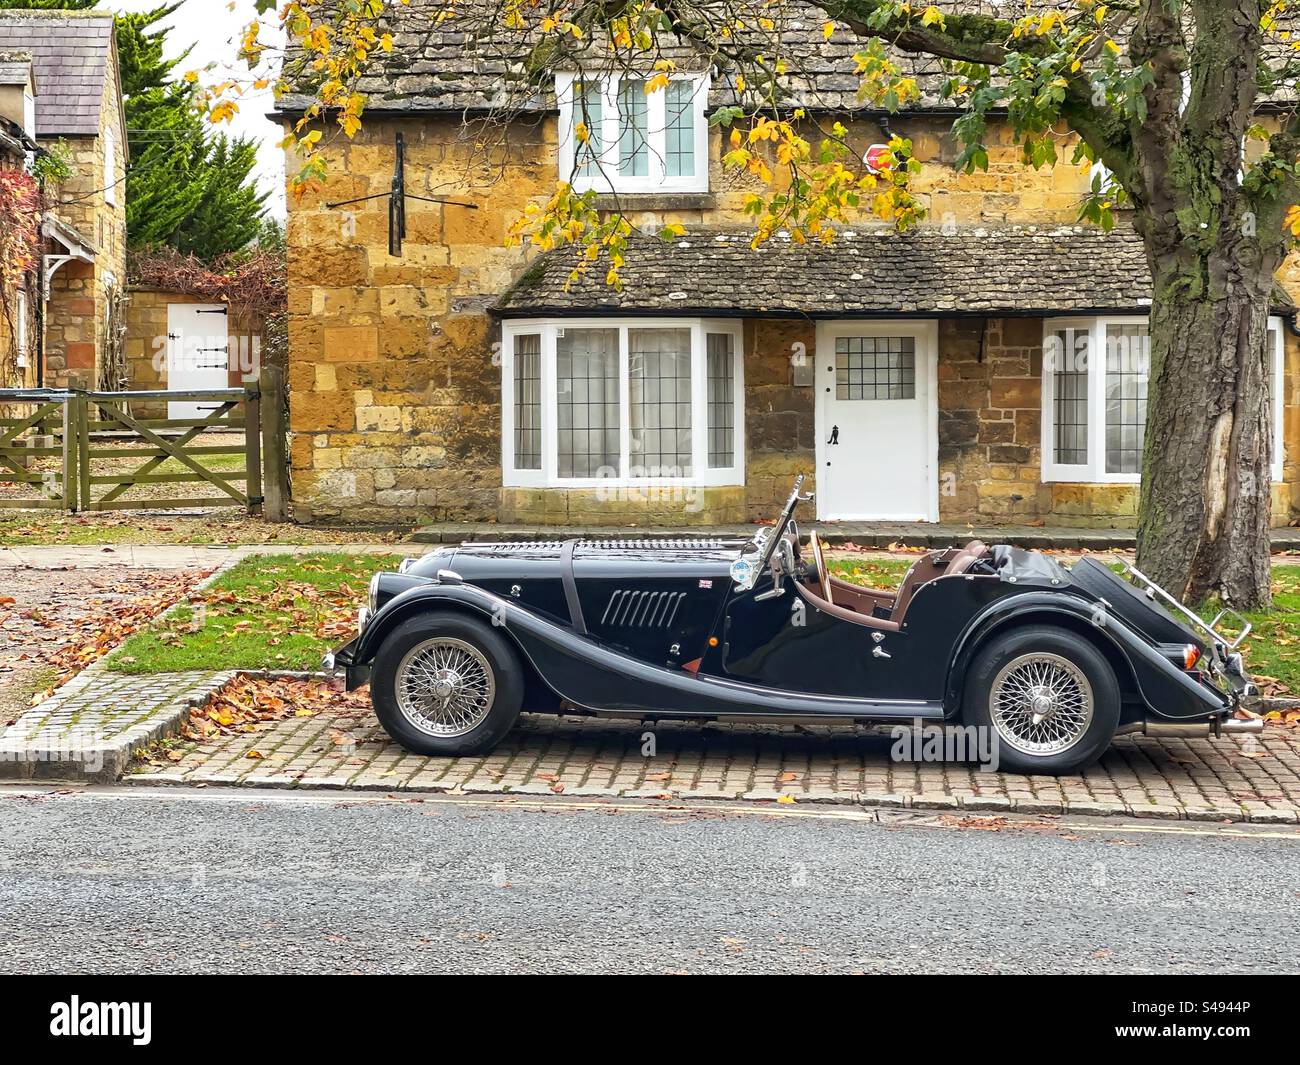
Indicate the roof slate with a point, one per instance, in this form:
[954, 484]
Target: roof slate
[70, 55]
[445, 67]
[442, 67]
[865, 272]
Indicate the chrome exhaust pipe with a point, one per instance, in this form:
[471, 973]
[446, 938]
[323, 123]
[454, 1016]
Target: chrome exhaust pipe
[1235, 727]
[1192, 729]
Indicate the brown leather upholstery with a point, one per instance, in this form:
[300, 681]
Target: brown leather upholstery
[929, 567]
[842, 612]
[854, 602]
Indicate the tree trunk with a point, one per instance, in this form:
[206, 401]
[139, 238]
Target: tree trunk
[1205, 509]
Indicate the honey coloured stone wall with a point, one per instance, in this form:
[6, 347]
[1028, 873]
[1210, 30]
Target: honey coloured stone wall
[395, 389]
[394, 384]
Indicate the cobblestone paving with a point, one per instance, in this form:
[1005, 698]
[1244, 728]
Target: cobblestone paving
[1242, 778]
[91, 727]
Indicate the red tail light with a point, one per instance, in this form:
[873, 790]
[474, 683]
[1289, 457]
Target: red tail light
[1191, 655]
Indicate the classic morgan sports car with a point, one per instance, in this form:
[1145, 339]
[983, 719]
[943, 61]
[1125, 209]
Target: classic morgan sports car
[1055, 661]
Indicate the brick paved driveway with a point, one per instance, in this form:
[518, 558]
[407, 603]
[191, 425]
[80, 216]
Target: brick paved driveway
[1242, 778]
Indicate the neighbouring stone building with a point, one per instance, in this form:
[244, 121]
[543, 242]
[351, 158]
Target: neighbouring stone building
[17, 142]
[76, 110]
[464, 380]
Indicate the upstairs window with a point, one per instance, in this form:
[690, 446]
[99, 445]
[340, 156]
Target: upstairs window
[1095, 378]
[616, 137]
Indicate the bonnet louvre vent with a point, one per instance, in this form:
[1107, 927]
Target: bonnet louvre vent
[642, 610]
[652, 545]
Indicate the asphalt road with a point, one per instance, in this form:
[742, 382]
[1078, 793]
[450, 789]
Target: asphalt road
[130, 880]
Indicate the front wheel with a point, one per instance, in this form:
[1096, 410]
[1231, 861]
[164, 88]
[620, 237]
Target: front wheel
[446, 685]
[1049, 696]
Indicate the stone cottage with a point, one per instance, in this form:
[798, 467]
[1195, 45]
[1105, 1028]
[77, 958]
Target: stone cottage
[76, 109]
[462, 380]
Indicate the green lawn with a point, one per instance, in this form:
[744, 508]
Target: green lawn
[227, 525]
[1272, 652]
[284, 612]
[273, 612]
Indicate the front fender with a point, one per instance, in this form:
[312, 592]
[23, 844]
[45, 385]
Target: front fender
[1164, 689]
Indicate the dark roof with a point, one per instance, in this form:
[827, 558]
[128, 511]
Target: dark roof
[70, 53]
[447, 66]
[442, 67]
[865, 272]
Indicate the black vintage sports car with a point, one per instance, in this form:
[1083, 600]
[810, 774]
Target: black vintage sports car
[1054, 661]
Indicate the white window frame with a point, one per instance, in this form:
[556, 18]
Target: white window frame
[1094, 470]
[605, 177]
[20, 349]
[110, 166]
[548, 476]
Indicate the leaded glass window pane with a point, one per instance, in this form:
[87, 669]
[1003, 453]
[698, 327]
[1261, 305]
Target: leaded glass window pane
[1128, 360]
[633, 121]
[528, 402]
[588, 109]
[1067, 352]
[875, 367]
[680, 148]
[659, 392]
[720, 348]
[587, 425]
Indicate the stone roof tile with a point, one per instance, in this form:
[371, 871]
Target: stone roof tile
[865, 272]
[444, 66]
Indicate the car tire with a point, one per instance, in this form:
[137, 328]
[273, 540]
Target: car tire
[446, 685]
[1048, 696]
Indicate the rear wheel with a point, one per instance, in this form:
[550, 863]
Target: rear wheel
[1048, 695]
[446, 685]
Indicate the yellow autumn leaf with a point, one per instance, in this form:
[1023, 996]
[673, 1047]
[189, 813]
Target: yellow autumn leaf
[786, 800]
[828, 28]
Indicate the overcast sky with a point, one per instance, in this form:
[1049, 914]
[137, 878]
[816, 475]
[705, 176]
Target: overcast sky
[213, 28]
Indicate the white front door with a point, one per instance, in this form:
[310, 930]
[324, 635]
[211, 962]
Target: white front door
[877, 421]
[198, 354]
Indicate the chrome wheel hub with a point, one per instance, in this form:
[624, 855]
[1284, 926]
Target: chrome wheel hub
[445, 686]
[1041, 703]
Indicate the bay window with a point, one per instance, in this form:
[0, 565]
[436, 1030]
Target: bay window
[1095, 376]
[589, 402]
[617, 137]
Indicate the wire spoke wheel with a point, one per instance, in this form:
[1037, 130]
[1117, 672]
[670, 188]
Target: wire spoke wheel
[445, 686]
[1041, 703]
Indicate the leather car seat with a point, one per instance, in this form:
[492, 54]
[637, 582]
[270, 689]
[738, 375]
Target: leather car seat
[918, 575]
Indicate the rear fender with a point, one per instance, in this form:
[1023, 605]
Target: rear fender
[1141, 669]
